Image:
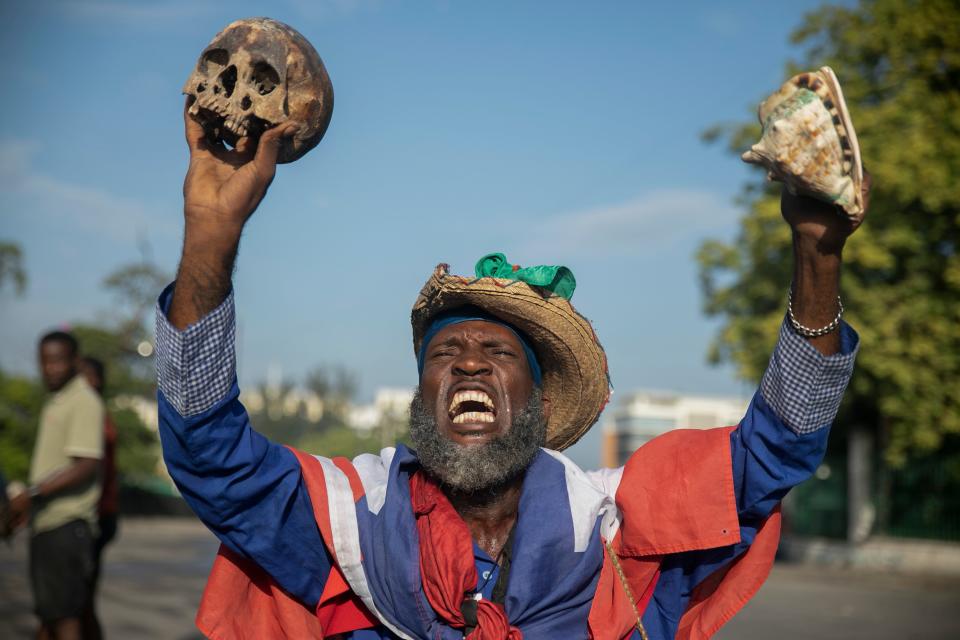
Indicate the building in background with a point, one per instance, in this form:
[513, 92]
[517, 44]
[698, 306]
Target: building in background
[389, 415]
[389, 405]
[644, 415]
[278, 402]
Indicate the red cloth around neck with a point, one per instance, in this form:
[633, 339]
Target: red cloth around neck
[447, 565]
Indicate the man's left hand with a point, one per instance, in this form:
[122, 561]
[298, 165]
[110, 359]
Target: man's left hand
[819, 223]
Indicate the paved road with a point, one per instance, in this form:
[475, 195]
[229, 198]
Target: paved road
[154, 575]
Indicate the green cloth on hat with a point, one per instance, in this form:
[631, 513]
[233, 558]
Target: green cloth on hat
[558, 280]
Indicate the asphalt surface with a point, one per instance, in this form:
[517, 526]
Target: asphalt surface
[154, 575]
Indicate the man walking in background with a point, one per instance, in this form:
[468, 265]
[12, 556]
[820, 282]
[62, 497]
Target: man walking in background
[95, 374]
[61, 500]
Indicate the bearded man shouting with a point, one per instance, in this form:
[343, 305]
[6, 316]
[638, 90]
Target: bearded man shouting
[485, 530]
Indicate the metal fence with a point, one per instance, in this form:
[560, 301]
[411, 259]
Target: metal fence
[919, 500]
[922, 499]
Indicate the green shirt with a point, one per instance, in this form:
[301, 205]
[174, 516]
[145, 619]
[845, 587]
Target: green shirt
[71, 426]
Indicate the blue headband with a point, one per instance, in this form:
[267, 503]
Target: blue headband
[466, 314]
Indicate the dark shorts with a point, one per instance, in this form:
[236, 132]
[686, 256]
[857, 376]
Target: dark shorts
[61, 571]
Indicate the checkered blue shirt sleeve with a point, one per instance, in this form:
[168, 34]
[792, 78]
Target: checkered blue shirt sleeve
[197, 366]
[803, 386]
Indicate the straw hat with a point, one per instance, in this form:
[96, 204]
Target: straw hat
[573, 362]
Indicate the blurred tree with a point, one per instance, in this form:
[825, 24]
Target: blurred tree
[287, 414]
[136, 287]
[137, 446]
[20, 397]
[339, 440]
[123, 343]
[20, 402]
[127, 371]
[899, 63]
[11, 266]
[277, 413]
[128, 374]
[125, 346]
[336, 386]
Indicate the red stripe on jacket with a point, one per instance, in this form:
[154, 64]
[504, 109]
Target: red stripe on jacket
[242, 601]
[676, 494]
[696, 510]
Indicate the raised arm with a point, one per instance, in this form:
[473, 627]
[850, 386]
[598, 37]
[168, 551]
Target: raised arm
[246, 489]
[820, 230]
[221, 191]
[783, 436]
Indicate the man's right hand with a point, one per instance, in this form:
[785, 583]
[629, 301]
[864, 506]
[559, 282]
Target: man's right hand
[17, 514]
[222, 189]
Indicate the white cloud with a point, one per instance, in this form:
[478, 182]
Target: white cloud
[144, 13]
[333, 8]
[147, 13]
[28, 192]
[14, 160]
[721, 21]
[649, 222]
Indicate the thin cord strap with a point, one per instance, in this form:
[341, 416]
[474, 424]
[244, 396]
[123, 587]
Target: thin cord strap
[626, 587]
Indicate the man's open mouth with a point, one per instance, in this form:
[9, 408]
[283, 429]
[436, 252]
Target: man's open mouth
[472, 406]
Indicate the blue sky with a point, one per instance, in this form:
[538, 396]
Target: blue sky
[557, 133]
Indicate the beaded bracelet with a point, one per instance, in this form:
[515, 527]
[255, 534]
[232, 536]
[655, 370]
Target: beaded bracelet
[807, 332]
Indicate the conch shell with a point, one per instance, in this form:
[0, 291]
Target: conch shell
[808, 141]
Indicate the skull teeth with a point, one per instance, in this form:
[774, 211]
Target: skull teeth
[237, 126]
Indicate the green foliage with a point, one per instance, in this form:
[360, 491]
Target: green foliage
[287, 429]
[899, 64]
[127, 371]
[20, 402]
[128, 374]
[282, 413]
[922, 498]
[137, 447]
[136, 287]
[336, 386]
[339, 441]
[20, 398]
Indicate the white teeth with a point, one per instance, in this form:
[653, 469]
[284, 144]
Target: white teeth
[472, 396]
[235, 126]
[473, 416]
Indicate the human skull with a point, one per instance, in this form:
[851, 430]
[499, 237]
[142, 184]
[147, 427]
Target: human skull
[256, 74]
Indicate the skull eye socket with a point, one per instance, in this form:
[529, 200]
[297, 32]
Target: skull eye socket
[214, 60]
[227, 80]
[264, 77]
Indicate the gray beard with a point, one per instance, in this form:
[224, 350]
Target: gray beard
[484, 467]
